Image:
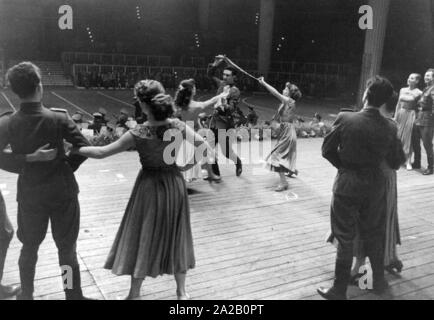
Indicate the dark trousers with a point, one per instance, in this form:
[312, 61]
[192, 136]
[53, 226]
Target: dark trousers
[33, 218]
[226, 150]
[365, 215]
[6, 234]
[426, 133]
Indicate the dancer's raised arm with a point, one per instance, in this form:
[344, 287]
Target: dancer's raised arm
[212, 70]
[274, 92]
[215, 99]
[124, 143]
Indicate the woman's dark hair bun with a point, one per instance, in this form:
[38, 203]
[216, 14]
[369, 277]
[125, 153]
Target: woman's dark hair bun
[162, 106]
[184, 94]
[153, 94]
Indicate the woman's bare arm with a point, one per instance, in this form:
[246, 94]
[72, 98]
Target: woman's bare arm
[274, 92]
[124, 143]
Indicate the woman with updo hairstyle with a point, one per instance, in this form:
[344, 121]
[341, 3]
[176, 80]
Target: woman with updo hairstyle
[188, 110]
[405, 115]
[154, 237]
[282, 158]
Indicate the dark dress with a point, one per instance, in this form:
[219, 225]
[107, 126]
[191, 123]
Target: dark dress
[154, 237]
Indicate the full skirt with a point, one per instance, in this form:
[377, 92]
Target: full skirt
[283, 156]
[154, 237]
[405, 120]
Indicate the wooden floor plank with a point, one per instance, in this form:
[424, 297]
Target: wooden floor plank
[250, 242]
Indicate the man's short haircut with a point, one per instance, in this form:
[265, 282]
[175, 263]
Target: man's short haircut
[392, 102]
[24, 78]
[379, 91]
[431, 70]
[232, 69]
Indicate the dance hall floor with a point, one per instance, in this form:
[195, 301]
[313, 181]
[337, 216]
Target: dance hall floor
[250, 242]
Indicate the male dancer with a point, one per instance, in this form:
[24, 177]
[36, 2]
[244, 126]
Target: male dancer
[223, 116]
[424, 125]
[357, 146]
[47, 191]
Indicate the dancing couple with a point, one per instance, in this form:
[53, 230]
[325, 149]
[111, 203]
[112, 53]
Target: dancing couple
[364, 147]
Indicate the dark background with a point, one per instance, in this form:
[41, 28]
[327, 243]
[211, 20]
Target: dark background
[314, 30]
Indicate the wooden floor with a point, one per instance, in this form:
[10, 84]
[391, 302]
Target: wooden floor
[250, 242]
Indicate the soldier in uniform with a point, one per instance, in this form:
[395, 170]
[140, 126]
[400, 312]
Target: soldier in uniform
[223, 116]
[6, 230]
[47, 191]
[424, 125]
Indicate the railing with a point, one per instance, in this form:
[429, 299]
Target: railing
[180, 71]
[311, 84]
[70, 58]
[311, 67]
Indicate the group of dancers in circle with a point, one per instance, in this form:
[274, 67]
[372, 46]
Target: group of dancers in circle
[154, 236]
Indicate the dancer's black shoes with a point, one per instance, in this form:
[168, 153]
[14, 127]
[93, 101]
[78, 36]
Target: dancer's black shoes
[428, 172]
[331, 293]
[238, 169]
[9, 291]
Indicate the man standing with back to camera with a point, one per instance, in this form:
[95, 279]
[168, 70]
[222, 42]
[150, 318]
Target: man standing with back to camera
[47, 191]
[358, 145]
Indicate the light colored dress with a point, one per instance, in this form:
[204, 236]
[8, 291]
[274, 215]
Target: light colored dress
[405, 117]
[283, 156]
[190, 116]
[154, 237]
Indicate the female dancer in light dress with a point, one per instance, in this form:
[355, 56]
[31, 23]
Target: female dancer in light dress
[283, 156]
[405, 114]
[189, 111]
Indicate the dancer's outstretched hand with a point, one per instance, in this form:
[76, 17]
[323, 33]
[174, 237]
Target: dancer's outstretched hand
[261, 80]
[42, 154]
[219, 58]
[226, 91]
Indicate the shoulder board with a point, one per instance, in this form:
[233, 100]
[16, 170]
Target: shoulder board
[59, 110]
[7, 113]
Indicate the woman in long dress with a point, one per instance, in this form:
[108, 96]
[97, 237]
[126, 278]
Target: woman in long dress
[189, 111]
[282, 158]
[154, 237]
[405, 114]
